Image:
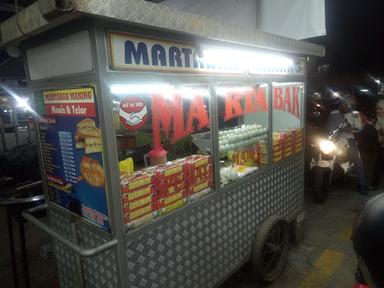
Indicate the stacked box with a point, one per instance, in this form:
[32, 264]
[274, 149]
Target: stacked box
[169, 178]
[160, 189]
[170, 185]
[277, 147]
[262, 152]
[138, 196]
[199, 173]
[297, 140]
[287, 143]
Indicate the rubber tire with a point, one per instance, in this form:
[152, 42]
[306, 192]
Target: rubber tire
[258, 245]
[322, 184]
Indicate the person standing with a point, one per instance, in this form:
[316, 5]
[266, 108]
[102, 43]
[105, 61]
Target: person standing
[379, 164]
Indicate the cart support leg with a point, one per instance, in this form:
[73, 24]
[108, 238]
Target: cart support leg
[24, 254]
[12, 249]
[297, 228]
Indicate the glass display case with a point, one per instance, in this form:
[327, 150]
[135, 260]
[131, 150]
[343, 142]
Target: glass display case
[164, 147]
[243, 129]
[287, 123]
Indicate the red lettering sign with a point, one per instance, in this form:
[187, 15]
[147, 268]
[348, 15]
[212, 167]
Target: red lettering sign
[287, 99]
[168, 113]
[239, 103]
[278, 98]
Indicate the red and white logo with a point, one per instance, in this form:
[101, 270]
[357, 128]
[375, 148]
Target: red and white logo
[133, 113]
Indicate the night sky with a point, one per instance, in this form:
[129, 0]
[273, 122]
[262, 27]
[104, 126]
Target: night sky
[355, 37]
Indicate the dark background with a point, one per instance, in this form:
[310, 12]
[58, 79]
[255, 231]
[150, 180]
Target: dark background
[355, 37]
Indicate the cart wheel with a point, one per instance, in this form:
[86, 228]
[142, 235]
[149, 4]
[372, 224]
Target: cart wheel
[270, 249]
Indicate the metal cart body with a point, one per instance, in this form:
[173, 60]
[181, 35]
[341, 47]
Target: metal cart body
[203, 243]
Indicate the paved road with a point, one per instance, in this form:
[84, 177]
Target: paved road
[325, 257]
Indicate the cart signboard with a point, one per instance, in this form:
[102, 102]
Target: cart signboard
[130, 52]
[71, 145]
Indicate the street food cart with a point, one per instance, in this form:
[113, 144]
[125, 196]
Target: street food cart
[171, 145]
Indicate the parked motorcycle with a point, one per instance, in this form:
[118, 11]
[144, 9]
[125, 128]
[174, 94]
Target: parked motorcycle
[332, 154]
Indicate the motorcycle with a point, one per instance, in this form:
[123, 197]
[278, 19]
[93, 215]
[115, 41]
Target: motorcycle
[332, 154]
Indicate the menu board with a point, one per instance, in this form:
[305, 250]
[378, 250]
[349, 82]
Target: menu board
[72, 152]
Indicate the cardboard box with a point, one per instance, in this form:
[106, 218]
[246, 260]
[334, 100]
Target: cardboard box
[136, 180]
[137, 213]
[131, 195]
[138, 203]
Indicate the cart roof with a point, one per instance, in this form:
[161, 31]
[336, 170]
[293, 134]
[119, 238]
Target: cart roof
[44, 15]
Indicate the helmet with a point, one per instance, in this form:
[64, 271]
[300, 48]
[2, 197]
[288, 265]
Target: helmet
[316, 96]
[368, 240]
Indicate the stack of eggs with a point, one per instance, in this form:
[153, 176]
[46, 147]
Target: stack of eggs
[239, 137]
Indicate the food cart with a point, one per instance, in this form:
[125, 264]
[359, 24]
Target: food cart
[171, 144]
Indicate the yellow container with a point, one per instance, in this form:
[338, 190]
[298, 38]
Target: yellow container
[126, 166]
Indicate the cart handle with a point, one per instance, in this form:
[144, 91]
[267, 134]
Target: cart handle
[27, 214]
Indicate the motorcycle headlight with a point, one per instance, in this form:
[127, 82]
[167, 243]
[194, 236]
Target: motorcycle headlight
[327, 146]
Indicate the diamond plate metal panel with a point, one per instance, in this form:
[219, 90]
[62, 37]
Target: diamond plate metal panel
[99, 271]
[163, 17]
[65, 258]
[200, 246]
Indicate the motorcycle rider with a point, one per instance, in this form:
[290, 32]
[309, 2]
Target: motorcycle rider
[344, 108]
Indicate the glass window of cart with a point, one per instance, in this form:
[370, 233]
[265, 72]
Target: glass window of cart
[243, 130]
[287, 113]
[164, 145]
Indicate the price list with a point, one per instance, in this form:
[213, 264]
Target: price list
[48, 151]
[68, 157]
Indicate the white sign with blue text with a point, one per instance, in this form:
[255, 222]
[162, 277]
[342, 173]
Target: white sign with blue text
[129, 52]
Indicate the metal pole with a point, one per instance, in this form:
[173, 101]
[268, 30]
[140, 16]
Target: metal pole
[76, 248]
[24, 254]
[15, 126]
[3, 140]
[12, 248]
[104, 101]
[214, 133]
[259, 13]
[270, 122]
[79, 263]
